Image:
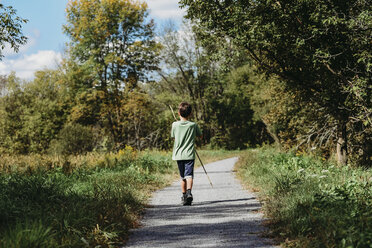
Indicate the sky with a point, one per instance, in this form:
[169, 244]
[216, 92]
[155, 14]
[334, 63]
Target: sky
[46, 41]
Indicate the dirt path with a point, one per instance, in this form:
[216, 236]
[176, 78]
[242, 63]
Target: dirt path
[223, 216]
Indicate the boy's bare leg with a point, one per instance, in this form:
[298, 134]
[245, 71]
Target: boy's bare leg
[189, 183]
[186, 184]
[183, 185]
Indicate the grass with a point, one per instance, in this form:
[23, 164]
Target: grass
[309, 202]
[80, 201]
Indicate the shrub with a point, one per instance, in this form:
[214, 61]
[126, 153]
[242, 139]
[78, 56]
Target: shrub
[25, 235]
[73, 139]
[311, 202]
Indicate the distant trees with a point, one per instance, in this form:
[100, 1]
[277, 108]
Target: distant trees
[114, 42]
[95, 89]
[32, 113]
[320, 49]
[198, 71]
[298, 73]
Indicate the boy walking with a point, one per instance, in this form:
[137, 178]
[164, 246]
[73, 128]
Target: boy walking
[184, 132]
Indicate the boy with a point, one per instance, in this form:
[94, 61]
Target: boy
[184, 132]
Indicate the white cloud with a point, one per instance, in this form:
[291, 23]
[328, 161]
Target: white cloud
[165, 9]
[26, 65]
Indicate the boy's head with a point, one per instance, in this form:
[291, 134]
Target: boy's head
[184, 109]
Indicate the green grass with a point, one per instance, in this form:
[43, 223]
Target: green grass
[309, 202]
[81, 201]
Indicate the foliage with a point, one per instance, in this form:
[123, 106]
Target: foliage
[320, 50]
[198, 72]
[11, 106]
[33, 112]
[89, 205]
[291, 122]
[3, 83]
[10, 29]
[233, 118]
[311, 203]
[114, 36]
[46, 109]
[73, 139]
[190, 75]
[114, 41]
[140, 122]
[93, 203]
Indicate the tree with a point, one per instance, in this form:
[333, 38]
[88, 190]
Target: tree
[72, 139]
[12, 138]
[233, 120]
[188, 74]
[141, 121]
[32, 112]
[197, 66]
[114, 40]
[320, 49]
[3, 84]
[10, 29]
[46, 110]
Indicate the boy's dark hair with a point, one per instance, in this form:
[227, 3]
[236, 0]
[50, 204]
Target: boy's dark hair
[185, 109]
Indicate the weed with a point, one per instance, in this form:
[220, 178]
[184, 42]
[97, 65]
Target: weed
[310, 202]
[77, 201]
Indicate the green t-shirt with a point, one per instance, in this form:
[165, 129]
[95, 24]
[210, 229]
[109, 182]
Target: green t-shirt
[184, 133]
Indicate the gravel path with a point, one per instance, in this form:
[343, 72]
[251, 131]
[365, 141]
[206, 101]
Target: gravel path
[223, 216]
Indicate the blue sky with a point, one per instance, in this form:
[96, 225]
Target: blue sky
[46, 40]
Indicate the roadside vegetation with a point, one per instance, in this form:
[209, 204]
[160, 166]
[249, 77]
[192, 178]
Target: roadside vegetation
[75, 141]
[79, 201]
[310, 202]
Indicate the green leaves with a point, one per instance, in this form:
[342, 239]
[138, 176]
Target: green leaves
[114, 37]
[311, 203]
[317, 48]
[112, 41]
[10, 29]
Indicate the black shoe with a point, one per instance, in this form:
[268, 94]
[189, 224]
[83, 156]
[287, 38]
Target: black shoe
[183, 199]
[189, 198]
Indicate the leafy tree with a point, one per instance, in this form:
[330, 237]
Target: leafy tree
[12, 108]
[73, 139]
[32, 112]
[188, 74]
[320, 49]
[114, 41]
[197, 65]
[141, 121]
[10, 28]
[235, 114]
[46, 110]
[3, 84]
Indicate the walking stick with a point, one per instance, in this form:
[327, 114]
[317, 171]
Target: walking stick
[195, 152]
[204, 168]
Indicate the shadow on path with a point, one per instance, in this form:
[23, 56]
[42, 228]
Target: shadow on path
[222, 216]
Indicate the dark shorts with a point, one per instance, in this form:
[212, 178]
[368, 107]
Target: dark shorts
[186, 168]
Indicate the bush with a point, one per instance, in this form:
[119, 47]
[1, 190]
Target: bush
[73, 139]
[91, 206]
[311, 202]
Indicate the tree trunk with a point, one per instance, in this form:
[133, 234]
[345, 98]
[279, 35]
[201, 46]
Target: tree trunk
[272, 134]
[342, 144]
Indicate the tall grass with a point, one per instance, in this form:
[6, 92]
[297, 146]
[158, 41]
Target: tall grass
[78, 201]
[311, 203]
